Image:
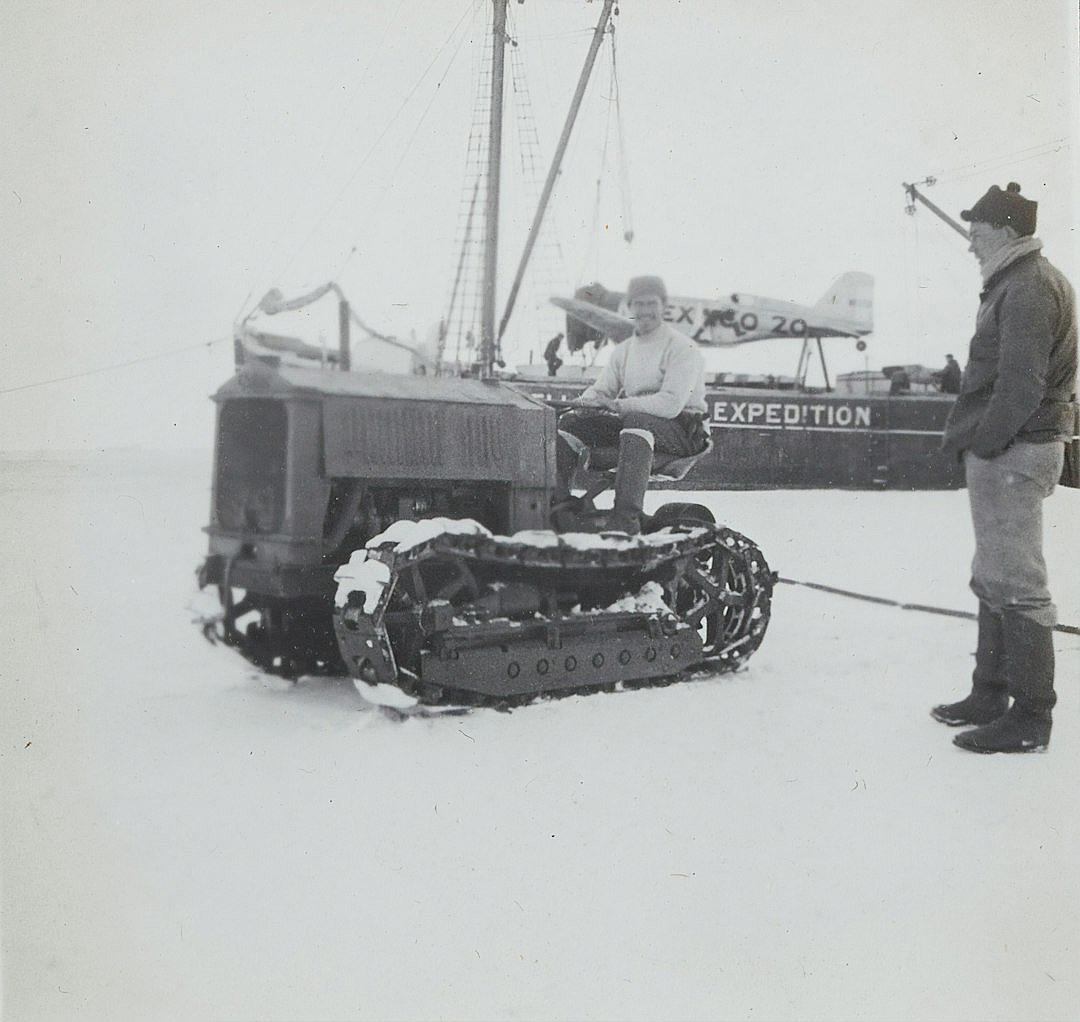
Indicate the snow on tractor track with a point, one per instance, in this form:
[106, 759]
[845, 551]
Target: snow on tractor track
[185, 838]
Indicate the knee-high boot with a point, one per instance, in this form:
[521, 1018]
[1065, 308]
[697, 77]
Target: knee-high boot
[631, 480]
[989, 698]
[1029, 672]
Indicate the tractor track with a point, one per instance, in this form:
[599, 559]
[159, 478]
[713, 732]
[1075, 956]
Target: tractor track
[715, 580]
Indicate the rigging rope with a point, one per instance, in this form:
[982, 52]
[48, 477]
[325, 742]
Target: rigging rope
[392, 179]
[624, 160]
[117, 365]
[548, 259]
[918, 286]
[445, 325]
[393, 120]
[466, 295]
[990, 168]
[592, 250]
[1053, 145]
[345, 107]
[613, 113]
[466, 284]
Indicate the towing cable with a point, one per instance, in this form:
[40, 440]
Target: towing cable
[885, 601]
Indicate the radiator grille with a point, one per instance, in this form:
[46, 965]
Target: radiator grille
[251, 465]
[445, 441]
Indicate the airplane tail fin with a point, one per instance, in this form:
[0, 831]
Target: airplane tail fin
[850, 299]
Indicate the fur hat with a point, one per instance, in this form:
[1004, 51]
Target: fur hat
[1006, 208]
[639, 287]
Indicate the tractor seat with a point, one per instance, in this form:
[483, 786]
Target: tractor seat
[666, 468]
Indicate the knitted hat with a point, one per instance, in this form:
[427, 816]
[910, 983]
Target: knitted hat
[1004, 209]
[640, 287]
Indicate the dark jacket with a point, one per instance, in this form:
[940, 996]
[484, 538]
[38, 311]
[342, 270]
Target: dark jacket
[1020, 379]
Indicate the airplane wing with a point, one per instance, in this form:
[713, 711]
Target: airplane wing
[608, 323]
[845, 310]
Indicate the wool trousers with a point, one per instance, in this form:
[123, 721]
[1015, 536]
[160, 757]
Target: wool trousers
[599, 428]
[1006, 493]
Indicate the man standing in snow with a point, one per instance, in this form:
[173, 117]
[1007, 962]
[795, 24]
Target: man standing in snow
[1015, 409]
[649, 397]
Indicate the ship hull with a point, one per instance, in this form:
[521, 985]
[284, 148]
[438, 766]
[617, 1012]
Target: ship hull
[788, 439]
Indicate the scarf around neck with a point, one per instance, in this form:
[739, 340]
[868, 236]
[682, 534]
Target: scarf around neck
[1007, 255]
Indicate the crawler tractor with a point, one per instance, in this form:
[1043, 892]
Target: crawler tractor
[430, 500]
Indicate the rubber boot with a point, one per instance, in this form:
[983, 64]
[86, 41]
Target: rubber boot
[1029, 672]
[631, 480]
[989, 697]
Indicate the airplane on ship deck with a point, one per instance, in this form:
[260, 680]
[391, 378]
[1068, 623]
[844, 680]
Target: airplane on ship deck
[845, 310]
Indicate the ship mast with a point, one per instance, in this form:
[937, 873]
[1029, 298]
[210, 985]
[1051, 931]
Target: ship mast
[491, 220]
[489, 339]
[556, 162]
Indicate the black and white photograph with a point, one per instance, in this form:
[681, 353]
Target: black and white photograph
[539, 509]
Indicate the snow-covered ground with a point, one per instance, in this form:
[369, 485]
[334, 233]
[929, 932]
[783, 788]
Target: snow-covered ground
[183, 839]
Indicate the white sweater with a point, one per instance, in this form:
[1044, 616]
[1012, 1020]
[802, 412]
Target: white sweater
[661, 373]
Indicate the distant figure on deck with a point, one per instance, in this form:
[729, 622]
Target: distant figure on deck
[551, 355]
[900, 382]
[650, 396]
[949, 378]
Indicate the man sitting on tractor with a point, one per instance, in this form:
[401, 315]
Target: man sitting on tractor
[649, 397]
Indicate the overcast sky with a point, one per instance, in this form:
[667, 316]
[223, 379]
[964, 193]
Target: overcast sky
[164, 165]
